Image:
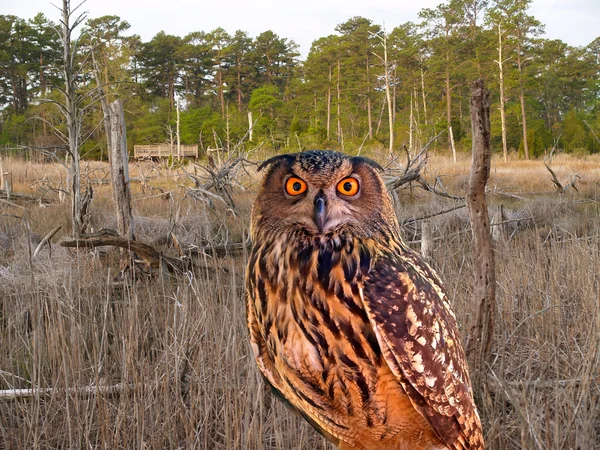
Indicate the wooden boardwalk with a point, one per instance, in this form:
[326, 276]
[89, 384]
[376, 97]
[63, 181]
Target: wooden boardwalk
[164, 151]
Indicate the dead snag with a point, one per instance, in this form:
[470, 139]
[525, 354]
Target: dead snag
[120, 171]
[560, 188]
[479, 343]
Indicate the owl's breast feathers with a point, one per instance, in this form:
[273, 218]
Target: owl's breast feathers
[358, 336]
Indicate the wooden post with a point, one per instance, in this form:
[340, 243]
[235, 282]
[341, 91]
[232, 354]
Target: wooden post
[498, 225]
[178, 139]
[5, 181]
[479, 343]
[120, 171]
[426, 240]
[250, 126]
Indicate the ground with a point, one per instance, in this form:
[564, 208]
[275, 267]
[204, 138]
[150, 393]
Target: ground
[176, 346]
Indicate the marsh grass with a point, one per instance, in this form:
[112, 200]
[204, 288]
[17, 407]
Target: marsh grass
[177, 348]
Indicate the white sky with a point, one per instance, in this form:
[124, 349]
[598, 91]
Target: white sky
[573, 21]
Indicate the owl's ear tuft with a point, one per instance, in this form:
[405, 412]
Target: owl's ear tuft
[369, 161]
[276, 160]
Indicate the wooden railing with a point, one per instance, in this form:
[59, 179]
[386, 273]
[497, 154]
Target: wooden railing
[163, 151]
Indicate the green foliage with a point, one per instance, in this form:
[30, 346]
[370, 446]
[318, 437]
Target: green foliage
[335, 99]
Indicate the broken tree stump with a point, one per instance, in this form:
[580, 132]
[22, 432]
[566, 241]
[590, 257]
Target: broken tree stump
[119, 169]
[479, 342]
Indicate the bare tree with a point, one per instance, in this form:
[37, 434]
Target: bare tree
[386, 76]
[73, 110]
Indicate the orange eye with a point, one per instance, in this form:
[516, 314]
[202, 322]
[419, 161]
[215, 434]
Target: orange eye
[348, 186]
[295, 186]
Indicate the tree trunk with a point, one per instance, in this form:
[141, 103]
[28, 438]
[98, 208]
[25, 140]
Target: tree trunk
[449, 116]
[388, 94]
[177, 134]
[522, 98]
[369, 115]
[250, 126]
[410, 125]
[502, 105]
[103, 102]
[239, 89]
[119, 169]
[71, 112]
[424, 96]
[339, 117]
[329, 105]
[221, 93]
[479, 343]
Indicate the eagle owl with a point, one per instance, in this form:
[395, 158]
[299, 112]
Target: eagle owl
[348, 325]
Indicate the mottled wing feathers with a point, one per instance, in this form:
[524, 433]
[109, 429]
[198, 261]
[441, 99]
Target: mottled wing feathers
[418, 334]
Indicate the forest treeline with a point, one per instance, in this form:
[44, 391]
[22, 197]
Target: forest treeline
[357, 87]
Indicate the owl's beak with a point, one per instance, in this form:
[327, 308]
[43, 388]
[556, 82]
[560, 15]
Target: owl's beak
[320, 211]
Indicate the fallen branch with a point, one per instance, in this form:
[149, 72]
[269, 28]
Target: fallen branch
[23, 197]
[12, 394]
[149, 255]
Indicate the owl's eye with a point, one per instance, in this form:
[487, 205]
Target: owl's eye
[348, 186]
[295, 186]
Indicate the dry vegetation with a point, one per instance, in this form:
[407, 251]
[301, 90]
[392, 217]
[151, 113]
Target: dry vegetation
[167, 357]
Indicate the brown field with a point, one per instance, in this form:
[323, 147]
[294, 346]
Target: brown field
[176, 346]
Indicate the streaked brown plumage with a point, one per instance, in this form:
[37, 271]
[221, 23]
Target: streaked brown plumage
[347, 324]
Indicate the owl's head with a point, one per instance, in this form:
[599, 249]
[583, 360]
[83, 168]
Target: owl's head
[321, 191]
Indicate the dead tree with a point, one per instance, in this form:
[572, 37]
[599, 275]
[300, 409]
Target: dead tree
[479, 343]
[560, 187]
[119, 168]
[397, 178]
[73, 111]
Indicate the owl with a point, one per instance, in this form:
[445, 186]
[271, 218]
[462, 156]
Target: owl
[348, 326]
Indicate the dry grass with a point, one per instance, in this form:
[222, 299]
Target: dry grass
[178, 345]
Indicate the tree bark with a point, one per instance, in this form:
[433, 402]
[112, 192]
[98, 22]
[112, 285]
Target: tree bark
[369, 115]
[339, 97]
[424, 96]
[120, 171]
[71, 113]
[449, 115]
[479, 343]
[502, 106]
[522, 99]
[329, 105]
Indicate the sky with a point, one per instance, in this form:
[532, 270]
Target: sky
[573, 21]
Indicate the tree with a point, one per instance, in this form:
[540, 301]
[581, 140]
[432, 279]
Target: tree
[440, 25]
[239, 71]
[275, 58]
[521, 29]
[160, 61]
[196, 67]
[358, 36]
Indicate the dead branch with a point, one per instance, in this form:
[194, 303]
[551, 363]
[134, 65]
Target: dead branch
[152, 257]
[429, 216]
[46, 240]
[22, 197]
[397, 178]
[120, 388]
[557, 184]
[149, 255]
